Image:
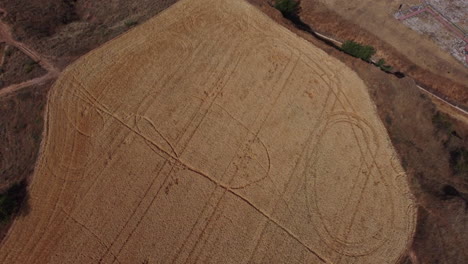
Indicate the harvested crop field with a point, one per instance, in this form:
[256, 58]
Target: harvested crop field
[210, 134]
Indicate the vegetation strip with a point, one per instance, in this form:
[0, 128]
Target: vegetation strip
[301, 25]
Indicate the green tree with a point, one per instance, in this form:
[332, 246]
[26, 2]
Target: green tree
[357, 50]
[287, 7]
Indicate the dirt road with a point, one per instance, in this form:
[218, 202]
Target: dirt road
[52, 71]
[210, 134]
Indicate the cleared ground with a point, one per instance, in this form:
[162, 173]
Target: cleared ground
[442, 22]
[372, 22]
[390, 30]
[211, 134]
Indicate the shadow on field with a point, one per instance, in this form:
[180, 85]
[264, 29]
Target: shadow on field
[14, 202]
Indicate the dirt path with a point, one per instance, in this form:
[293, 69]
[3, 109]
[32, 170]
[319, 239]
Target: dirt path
[36, 81]
[445, 102]
[52, 71]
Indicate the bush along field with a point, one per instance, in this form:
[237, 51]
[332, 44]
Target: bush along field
[287, 7]
[454, 144]
[365, 52]
[290, 9]
[357, 50]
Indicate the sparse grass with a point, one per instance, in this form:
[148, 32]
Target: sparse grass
[287, 7]
[103, 31]
[357, 50]
[131, 23]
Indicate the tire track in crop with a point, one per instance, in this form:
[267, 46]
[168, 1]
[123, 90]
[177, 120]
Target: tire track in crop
[354, 132]
[141, 218]
[209, 221]
[294, 171]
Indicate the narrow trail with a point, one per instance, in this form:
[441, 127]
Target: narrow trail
[15, 87]
[459, 109]
[6, 37]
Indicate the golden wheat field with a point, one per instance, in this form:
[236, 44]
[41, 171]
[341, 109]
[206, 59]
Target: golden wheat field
[211, 134]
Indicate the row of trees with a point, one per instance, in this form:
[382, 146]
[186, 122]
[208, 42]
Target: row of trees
[364, 52]
[291, 8]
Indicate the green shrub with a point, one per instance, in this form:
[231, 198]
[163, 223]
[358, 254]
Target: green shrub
[381, 64]
[287, 7]
[8, 52]
[387, 68]
[442, 122]
[29, 66]
[131, 23]
[459, 160]
[357, 50]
